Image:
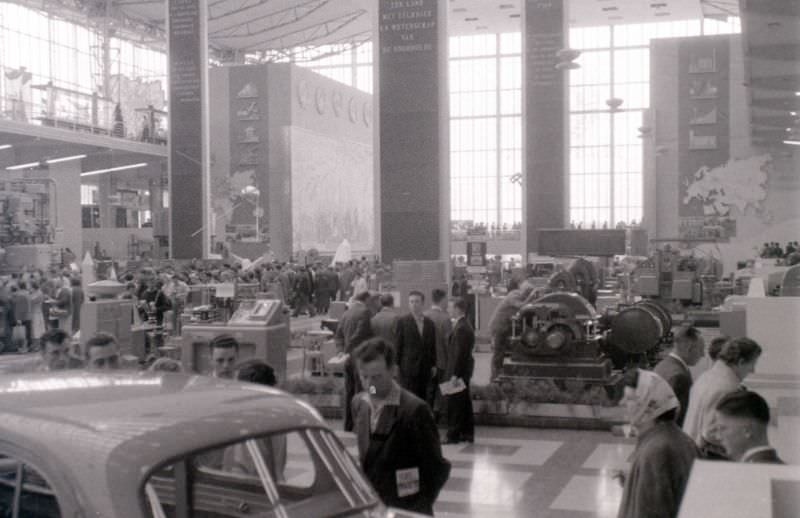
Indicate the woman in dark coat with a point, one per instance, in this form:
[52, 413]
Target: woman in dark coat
[663, 456]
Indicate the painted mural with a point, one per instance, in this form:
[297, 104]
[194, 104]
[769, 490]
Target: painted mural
[332, 192]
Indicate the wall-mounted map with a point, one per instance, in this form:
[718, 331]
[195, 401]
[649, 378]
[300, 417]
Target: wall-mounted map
[740, 184]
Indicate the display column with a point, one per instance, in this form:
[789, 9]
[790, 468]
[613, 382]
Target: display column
[545, 115]
[411, 85]
[188, 128]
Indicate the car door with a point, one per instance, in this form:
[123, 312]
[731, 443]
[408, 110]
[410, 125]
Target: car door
[29, 490]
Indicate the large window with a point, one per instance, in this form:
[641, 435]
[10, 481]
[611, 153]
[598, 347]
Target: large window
[485, 79]
[605, 174]
[50, 67]
[348, 64]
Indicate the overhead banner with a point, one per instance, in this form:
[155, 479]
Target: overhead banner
[188, 127]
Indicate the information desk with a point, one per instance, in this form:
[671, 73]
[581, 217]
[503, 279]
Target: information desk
[732, 489]
[261, 326]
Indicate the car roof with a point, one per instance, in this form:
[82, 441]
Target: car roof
[111, 429]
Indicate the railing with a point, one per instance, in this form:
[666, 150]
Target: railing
[54, 106]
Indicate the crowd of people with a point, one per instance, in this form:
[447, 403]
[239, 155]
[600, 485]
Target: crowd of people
[32, 302]
[406, 371]
[677, 420]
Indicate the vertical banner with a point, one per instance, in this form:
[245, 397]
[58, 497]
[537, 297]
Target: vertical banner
[410, 41]
[545, 112]
[703, 134]
[188, 128]
[249, 130]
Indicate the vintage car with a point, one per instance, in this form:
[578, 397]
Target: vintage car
[133, 445]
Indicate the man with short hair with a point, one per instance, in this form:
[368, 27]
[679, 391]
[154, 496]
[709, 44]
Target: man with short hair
[441, 321]
[741, 419]
[416, 347]
[256, 371]
[55, 351]
[688, 349]
[384, 323]
[102, 352]
[398, 443]
[353, 328]
[224, 355]
[460, 365]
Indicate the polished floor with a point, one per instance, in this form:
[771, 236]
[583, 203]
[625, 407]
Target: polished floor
[515, 473]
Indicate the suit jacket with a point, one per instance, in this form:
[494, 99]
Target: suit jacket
[443, 325]
[460, 362]
[765, 457]
[405, 437]
[680, 379]
[353, 328]
[416, 354]
[384, 324]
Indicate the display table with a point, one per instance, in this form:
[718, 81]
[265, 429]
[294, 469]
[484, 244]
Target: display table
[772, 322]
[727, 489]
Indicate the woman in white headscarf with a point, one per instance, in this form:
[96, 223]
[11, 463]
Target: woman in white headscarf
[663, 456]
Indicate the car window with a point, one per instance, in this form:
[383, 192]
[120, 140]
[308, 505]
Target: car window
[37, 499]
[292, 474]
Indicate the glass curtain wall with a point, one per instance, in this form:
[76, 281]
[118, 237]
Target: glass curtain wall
[605, 176]
[485, 131]
[64, 54]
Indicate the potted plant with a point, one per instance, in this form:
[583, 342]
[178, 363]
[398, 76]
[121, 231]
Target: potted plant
[488, 399]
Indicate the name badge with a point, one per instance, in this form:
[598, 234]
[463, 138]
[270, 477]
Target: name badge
[407, 481]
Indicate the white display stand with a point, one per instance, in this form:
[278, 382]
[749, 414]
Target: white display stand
[773, 322]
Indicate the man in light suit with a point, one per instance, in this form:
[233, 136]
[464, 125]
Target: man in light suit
[460, 364]
[416, 347]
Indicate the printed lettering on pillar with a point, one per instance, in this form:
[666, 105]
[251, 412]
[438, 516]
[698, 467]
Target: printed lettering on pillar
[409, 76]
[187, 62]
[545, 113]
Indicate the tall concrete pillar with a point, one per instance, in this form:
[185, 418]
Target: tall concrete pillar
[412, 144]
[188, 128]
[545, 146]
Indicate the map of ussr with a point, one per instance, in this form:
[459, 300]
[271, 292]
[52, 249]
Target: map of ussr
[740, 183]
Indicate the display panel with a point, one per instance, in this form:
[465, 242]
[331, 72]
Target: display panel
[332, 192]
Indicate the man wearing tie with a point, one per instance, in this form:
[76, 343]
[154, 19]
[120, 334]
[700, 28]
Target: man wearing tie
[416, 347]
[460, 365]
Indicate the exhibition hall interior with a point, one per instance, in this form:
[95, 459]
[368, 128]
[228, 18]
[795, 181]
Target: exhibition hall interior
[399, 258]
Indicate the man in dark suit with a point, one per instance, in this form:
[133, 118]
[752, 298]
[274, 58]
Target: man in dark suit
[741, 419]
[353, 329]
[438, 315]
[416, 347]
[674, 369]
[398, 443]
[384, 323]
[460, 364]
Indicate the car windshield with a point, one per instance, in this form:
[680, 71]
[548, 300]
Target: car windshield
[292, 473]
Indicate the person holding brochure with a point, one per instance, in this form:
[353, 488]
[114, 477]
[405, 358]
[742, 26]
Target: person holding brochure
[460, 365]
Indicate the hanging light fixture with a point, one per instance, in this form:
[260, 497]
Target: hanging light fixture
[614, 103]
